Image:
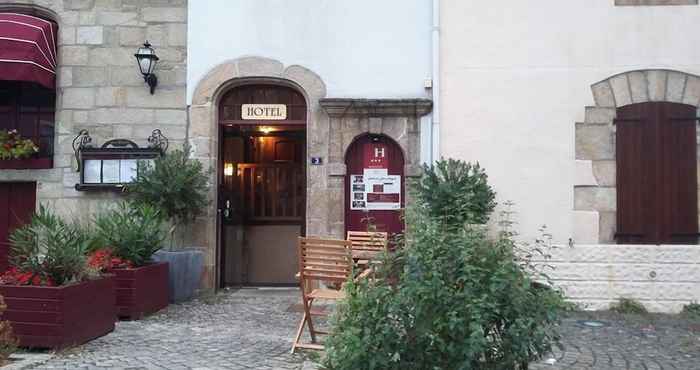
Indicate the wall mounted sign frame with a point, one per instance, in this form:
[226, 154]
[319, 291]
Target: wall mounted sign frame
[114, 164]
[264, 112]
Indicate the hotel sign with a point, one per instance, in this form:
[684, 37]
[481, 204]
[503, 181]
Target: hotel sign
[265, 112]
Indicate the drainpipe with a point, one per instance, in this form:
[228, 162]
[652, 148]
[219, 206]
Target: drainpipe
[435, 133]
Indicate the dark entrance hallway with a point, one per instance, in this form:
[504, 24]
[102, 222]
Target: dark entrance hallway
[262, 187]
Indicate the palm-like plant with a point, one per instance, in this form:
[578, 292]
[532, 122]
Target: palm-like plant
[132, 230]
[51, 248]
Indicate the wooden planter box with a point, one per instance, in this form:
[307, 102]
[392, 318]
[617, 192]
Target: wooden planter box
[142, 290]
[26, 164]
[60, 317]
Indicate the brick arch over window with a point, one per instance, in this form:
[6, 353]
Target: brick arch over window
[595, 187]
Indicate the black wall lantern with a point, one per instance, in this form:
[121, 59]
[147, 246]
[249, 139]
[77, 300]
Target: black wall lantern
[147, 59]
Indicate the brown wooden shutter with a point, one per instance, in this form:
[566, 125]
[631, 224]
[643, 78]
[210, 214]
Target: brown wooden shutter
[656, 174]
[678, 143]
[634, 152]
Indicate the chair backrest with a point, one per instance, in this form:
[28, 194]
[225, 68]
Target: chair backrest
[327, 260]
[374, 241]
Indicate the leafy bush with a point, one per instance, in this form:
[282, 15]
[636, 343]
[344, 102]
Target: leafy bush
[8, 341]
[175, 184]
[456, 191]
[628, 306]
[692, 310]
[132, 230]
[459, 300]
[52, 250]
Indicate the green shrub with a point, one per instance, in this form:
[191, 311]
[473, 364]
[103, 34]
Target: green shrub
[449, 298]
[175, 184]
[628, 306]
[691, 310]
[134, 231]
[456, 191]
[50, 248]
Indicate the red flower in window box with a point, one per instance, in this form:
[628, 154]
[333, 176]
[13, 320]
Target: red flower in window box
[13, 146]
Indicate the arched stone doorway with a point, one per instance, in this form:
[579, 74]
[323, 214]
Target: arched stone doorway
[203, 134]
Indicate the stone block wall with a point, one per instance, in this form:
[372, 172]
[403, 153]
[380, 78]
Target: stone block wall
[100, 88]
[663, 278]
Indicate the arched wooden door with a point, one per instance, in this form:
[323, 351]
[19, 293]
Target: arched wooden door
[374, 184]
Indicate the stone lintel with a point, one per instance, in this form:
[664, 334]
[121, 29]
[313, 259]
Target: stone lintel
[339, 107]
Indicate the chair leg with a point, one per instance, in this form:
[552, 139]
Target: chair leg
[300, 330]
[307, 313]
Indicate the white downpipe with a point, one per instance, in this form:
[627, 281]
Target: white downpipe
[435, 133]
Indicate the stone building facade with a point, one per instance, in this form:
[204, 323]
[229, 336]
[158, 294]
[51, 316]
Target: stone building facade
[100, 88]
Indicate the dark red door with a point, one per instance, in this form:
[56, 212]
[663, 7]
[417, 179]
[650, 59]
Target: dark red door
[374, 184]
[17, 205]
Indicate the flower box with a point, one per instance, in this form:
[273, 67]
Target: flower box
[26, 164]
[60, 317]
[142, 290]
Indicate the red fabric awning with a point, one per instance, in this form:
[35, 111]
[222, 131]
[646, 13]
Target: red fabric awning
[28, 49]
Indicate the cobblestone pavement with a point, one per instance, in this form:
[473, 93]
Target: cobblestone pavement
[626, 342]
[246, 329]
[252, 329]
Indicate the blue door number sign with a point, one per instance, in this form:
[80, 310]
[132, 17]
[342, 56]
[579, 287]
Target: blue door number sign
[316, 161]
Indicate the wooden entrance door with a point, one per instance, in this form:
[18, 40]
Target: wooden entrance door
[262, 190]
[370, 159]
[17, 205]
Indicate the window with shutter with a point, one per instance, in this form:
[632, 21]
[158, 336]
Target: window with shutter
[657, 201]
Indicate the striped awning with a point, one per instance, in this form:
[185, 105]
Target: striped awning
[28, 49]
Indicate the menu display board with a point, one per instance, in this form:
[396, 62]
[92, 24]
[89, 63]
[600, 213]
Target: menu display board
[375, 190]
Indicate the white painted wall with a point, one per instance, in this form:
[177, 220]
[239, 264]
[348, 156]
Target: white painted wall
[360, 48]
[516, 76]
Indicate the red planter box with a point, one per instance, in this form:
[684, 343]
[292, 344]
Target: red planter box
[60, 317]
[142, 290]
[26, 164]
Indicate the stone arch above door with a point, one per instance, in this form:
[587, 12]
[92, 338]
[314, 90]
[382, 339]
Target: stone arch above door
[595, 191]
[202, 131]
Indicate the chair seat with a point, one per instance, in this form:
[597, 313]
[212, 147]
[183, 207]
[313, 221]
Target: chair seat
[326, 294]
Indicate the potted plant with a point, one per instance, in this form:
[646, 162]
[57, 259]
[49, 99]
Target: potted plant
[132, 233]
[54, 299]
[177, 185]
[18, 153]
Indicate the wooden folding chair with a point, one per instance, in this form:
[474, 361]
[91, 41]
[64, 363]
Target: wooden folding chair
[367, 245]
[320, 260]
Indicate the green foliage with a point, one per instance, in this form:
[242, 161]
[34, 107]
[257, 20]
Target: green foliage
[449, 298]
[51, 248]
[692, 310]
[134, 231]
[175, 184]
[628, 306]
[456, 191]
